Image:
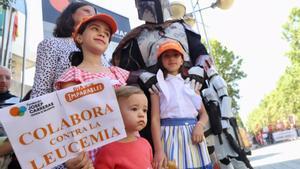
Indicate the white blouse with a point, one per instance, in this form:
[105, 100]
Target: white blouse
[177, 99]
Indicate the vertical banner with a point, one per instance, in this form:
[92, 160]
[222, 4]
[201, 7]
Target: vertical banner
[56, 127]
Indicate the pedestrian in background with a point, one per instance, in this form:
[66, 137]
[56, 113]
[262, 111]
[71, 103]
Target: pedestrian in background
[7, 157]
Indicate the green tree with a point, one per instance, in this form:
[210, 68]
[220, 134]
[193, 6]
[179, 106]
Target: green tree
[5, 3]
[285, 98]
[290, 83]
[229, 66]
[291, 33]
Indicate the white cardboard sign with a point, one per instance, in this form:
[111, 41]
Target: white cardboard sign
[49, 130]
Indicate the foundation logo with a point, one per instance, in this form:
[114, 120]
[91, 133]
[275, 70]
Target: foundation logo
[17, 111]
[81, 91]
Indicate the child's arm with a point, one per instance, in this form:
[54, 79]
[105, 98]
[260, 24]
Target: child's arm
[68, 84]
[198, 131]
[159, 159]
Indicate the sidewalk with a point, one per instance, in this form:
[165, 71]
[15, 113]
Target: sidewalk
[283, 155]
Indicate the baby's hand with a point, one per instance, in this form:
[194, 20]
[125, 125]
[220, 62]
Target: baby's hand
[198, 133]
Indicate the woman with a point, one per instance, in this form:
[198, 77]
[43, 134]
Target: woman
[53, 53]
[53, 59]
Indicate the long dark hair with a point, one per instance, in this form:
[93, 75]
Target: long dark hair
[76, 58]
[65, 22]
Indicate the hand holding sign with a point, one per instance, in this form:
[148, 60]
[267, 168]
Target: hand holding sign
[80, 162]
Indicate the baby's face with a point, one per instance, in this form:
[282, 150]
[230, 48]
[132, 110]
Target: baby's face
[134, 112]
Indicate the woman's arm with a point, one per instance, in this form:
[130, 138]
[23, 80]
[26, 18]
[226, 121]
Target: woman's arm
[46, 62]
[67, 84]
[160, 159]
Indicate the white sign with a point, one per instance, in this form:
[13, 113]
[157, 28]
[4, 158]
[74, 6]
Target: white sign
[284, 135]
[49, 130]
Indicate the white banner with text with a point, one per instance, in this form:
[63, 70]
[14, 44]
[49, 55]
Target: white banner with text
[49, 130]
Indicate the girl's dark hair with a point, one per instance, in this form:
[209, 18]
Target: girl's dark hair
[65, 23]
[76, 58]
[164, 70]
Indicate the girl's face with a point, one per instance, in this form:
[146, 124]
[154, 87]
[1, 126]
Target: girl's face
[172, 61]
[82, 12]
[95, 37]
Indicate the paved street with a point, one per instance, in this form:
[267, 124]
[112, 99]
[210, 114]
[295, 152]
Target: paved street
[284, 155]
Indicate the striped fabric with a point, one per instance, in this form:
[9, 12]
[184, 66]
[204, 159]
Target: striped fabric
[176, 137]
[118, 76]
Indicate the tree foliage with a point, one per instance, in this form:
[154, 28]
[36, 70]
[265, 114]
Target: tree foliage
[5, 3]
[291, 33]
[285, 98]
[229, 66]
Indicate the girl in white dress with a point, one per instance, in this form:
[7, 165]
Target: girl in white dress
[176, 132]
